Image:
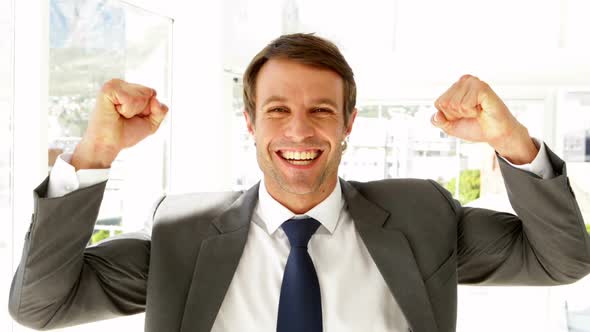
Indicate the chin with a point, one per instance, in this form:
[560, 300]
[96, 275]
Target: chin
[298, 187]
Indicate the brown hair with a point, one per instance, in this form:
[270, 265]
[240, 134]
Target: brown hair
[306, 49]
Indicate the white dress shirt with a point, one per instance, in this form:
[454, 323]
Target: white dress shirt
[354, 295]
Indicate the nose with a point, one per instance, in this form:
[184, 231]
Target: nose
[299, 127]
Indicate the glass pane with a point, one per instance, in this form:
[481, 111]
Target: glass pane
[6, 145]
[91, 42]
[396, 140]
[243, 150]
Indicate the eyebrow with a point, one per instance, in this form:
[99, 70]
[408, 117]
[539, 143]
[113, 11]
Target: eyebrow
[273, 99]
[276, 98]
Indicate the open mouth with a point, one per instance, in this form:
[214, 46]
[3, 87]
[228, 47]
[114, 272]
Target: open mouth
[299, 158]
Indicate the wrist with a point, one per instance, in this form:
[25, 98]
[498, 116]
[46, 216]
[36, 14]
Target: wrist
[518, 148]
[92, 155]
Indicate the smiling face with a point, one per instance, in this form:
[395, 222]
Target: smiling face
[298, 128]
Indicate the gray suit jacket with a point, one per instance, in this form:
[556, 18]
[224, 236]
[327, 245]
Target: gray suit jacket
[422, 241]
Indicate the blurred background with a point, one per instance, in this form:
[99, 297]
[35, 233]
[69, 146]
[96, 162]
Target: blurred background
[55, 55]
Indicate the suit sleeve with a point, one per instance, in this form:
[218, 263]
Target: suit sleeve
[546, 243]
[60, 281]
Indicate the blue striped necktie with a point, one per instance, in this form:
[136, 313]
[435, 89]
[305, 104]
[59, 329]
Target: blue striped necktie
[300, 305]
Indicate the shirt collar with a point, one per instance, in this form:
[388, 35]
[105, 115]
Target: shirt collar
[273, 214]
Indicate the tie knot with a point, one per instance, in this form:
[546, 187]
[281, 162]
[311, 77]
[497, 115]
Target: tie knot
[299, 231]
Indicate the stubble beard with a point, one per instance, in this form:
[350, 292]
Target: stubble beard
[331, 169]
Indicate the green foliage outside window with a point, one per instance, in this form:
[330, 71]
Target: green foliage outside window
[469, 185]
[101, 235]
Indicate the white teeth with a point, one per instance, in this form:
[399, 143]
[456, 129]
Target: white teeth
[299, 155]
[299, 162]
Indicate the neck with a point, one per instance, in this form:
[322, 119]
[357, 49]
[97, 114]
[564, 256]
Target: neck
[301, 203]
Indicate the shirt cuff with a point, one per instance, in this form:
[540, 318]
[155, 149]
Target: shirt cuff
[64, 179]
[540, 166]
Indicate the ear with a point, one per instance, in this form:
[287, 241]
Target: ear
[249, 122]
[350, 122]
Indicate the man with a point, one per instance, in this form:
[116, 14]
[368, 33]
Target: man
[302, 250]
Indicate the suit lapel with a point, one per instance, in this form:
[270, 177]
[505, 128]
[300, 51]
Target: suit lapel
[393, 256]
[216, 263]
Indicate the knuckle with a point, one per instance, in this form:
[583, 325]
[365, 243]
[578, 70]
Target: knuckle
[114, 82]
[147, 92]
[107, 87]
[133, 100]
[138, 102]
[140, 90]
[483, 85]
[465, 77]
[111, 85]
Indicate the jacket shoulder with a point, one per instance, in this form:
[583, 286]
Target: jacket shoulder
[407, 193]
[182, 208]
[407, 186]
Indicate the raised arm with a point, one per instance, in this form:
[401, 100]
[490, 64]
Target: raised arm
[547, 243]
[60, 281]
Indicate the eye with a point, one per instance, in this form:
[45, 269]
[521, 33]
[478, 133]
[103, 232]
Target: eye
[323, 110]
[278, 110]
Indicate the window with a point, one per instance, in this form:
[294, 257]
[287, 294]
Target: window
[400, 142]
[243, 148]
[398, 138]
[90, 43]
[573, 143]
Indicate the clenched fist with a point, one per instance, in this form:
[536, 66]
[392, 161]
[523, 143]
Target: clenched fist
[125, 114]
[471, 110]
